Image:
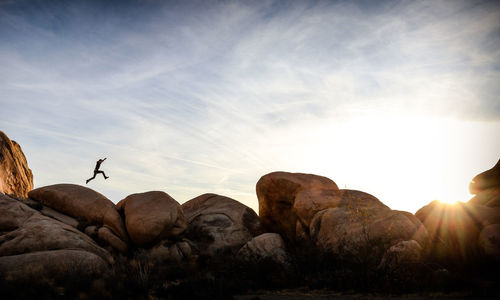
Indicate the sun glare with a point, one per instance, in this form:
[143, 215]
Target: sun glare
[449, 202]
[406, 162]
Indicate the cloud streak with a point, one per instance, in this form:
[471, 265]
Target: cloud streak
[208, 96]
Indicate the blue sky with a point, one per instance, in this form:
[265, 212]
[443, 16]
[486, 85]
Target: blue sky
[399, 98]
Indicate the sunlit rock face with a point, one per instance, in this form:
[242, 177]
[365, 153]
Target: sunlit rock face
[15, 177]
[34, 246]
[218, 224]
[151, 217]
[86, 204]
[310, 208]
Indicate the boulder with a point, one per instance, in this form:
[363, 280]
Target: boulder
[454, 229]
[486, 180]
[24, 230]
[489, 241]
[15, 177]
[106, 237]
[310, 208]
[401, 255]
[81, 203]
[151, 217]
[265, 246]
[217, 224]
[295, 198]
[489, 197]
[64, 264]
[167, 251]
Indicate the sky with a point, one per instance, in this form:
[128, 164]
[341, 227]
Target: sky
[399, 99]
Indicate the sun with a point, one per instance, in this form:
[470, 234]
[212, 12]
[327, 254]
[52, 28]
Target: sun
[449, 202]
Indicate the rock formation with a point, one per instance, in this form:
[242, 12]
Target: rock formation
[65, 233]
[34, 246]
[218, 224]
[15, 177]
[465, 231]
[486, 180]
[151, 217]
[305, 207]
[83, 203]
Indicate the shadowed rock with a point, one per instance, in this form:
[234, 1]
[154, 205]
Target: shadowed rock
[15, 177]
[24, 230]
[265, 246]
[52, 265]
[489, 241]
[400, 255]
[82, 203]
[151, 217]
[171, 252]
[454, 229]
[465, 231]
[217, 224]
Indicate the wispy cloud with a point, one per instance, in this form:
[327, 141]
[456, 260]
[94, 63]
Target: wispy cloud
[208, 96]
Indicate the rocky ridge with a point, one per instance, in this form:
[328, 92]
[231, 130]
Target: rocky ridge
[67, 231]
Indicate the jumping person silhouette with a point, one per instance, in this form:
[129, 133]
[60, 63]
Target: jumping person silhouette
[97, 171]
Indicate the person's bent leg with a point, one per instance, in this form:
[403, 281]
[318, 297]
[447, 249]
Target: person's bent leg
[102, 172]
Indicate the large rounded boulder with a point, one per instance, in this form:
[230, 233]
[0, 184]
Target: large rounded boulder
[15, 177]
[311, 208]
[36, 248]
[151, 217]
[288, 201]
[85, 204]
[24, 230]
[218, 224]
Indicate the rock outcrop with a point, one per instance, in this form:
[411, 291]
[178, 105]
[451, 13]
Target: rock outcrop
[218, 224]
[82, 203]
[486, 187]
[310, 208]
[37, 247]
[15, 177]
[466, 231]
[486, 180]
[151, 217]
[25, 230]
